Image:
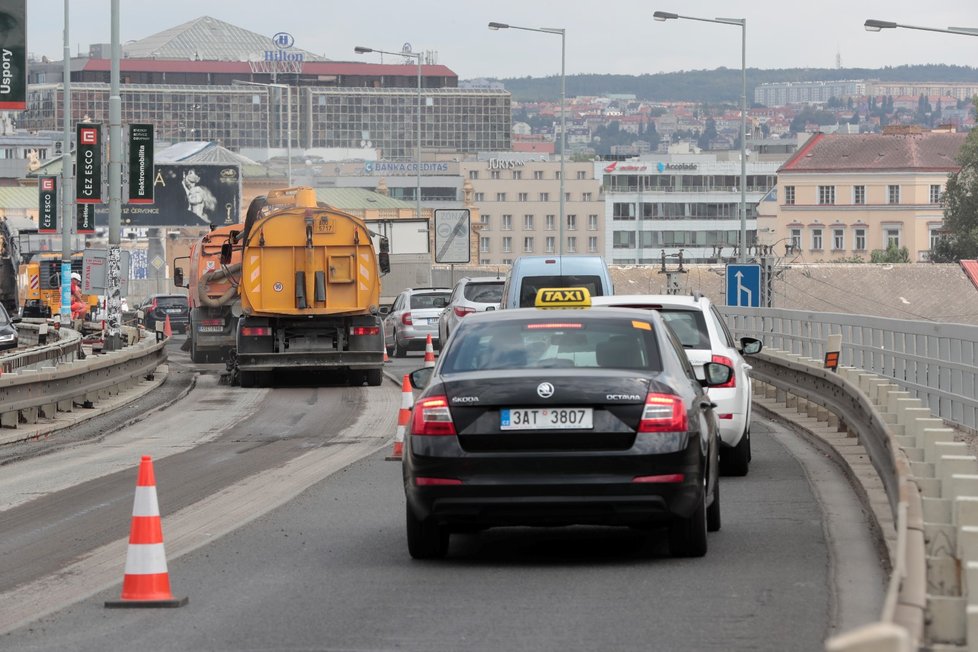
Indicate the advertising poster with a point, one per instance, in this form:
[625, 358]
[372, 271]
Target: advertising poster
[13, 51]
[47, 204]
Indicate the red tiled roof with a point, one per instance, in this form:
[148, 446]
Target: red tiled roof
[926, 152]
[308, 67]
[970, 268]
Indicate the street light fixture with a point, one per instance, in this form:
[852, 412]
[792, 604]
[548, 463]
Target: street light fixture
[663, 16]
[872, 25]
[288, 128]
[563, 113]
[417, 55]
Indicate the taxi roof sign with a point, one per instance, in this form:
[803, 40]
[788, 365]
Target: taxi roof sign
[563, 298]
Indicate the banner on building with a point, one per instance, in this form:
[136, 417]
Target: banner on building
[47, 205]
[86, 218]
[88, 166]
[13, 52]
[140, 164]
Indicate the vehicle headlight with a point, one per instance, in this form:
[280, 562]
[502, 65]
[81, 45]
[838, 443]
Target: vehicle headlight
[8, 338]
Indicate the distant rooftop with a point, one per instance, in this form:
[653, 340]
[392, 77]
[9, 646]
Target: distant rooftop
[922, 152]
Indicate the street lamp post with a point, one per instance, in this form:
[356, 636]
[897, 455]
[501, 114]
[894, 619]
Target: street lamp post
[288, 118]
[742, 23]
[417, 55]
[563, 113]
[872, 25]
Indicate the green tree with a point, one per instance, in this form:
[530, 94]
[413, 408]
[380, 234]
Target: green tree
[960, 203]
[892, 254]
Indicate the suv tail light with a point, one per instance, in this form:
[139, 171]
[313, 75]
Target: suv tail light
[364, 330]
[432, 417]
[461, 311]
[406, 319]
[256, 331]
[663, 413]
[722, 359]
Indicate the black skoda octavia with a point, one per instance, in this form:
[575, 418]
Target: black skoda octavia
[560, 417]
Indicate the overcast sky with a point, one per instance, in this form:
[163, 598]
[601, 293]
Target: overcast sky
[601, 37]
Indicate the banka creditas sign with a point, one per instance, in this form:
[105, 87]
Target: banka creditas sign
[390, 167]
[284, 42]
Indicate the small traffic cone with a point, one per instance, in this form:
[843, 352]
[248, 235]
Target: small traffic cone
[386, 359]
[167, 330]
[146, 582]
[429, 353]
[403, 416]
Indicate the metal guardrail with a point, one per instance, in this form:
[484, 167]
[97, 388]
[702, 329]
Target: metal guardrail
[61, 345]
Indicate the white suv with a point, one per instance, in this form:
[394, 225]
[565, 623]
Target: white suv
[705, 336]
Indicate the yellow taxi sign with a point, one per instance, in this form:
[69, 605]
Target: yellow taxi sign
[563, 298]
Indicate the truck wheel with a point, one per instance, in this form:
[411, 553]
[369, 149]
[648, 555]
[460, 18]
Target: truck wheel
[195, 355]
[374, 377]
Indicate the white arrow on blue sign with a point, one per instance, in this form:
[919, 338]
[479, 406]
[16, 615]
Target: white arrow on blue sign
[744, 285]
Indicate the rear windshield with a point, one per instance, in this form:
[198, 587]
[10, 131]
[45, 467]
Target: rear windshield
[420, 301]
[530, 285]
[689, 325]
[546, 344]
[171, 302]
[484, 292]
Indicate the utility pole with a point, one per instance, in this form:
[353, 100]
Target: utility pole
[672, 276]
[113, 290]
[67, 213]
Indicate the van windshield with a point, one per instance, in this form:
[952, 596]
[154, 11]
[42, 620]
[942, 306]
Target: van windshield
[530, 284]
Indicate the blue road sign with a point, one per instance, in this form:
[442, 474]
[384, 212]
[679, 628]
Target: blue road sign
[744, 285]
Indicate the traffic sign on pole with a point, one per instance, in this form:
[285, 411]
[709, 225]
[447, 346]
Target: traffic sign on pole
[744, 286]
[452, 236]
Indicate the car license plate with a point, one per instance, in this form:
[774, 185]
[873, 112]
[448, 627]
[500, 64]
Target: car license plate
[545, 418]
[210, 329]
[173, 310]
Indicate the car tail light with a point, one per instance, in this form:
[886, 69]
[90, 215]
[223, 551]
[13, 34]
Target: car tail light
[461, 311]
[671, 478]
[406, 319]
[435, 482]
[431, 416]
[724, 416]
[256, 331]
[663, 413]
[365, 330]
[722, 359]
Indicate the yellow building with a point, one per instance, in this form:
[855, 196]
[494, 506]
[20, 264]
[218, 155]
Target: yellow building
[844, 195]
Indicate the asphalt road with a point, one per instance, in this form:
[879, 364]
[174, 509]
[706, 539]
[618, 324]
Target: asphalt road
[284, 526]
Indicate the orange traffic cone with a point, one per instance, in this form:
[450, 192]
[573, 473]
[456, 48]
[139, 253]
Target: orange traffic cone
[429, 353]
[146, 582]
[167, 330]
[403, 416]
[386, 359]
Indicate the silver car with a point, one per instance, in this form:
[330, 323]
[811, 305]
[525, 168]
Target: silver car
[470, 295]
[412, 318]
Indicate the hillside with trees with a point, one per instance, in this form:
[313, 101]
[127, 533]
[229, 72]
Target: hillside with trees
[720, 85]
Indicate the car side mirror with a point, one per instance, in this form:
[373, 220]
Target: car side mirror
[750, 345]
[420, 377]
[716, 374]
[16, 319]
[441, 302]
[385, 310]
[178, 277]
[384, 256]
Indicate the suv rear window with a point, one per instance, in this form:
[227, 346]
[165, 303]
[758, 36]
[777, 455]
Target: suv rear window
[484, 292]
[171, 302]
[689, 326]
[420, 301]
[531, 284]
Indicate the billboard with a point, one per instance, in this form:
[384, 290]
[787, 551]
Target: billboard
[88, 169]
[47, 188]
[186, 195]
[140, 164]
[13, 51]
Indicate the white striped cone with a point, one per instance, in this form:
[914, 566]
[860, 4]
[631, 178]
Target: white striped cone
[403, 416]
[146, 582]
[429, 353]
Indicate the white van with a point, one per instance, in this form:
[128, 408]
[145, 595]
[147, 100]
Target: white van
[530, 273]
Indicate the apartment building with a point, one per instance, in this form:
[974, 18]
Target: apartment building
[843, 195]
[518, 198]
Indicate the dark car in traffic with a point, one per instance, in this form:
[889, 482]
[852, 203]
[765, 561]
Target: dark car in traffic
[9, 338]
[157, 307]
[558, 417]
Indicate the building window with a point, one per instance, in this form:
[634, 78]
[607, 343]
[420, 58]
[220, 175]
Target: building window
[473, 174]
[507, 261]
[527, 222]
[507, 244]
[816, 238]
[538, 174]
[494, 174]
[486, 221]
[826, 194]
[935, 193]
[544, 196]
[838, 239]
[789, 195]
[586, 196]
[893, 194]
[550, 222]
[484, 261]
[935, 236]
[623, 211]
[528, 245]
[860, 236]
[581, 174]
[483, 245]
[859, 194]
[891, 236]
[557, 175]
[551, 244]
[480, 196]
[572, 245]
[592, 222]
[796, 239]
[523, 196]
[572, 222]
[624, 240]
[592, 244]
[507, 223]
[517, 174]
